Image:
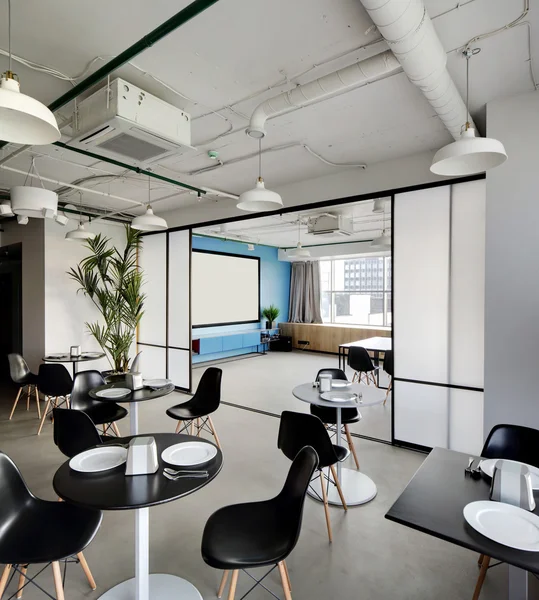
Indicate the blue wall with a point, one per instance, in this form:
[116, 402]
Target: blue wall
[274, 288]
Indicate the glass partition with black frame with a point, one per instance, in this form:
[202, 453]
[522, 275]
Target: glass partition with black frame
[356, 290]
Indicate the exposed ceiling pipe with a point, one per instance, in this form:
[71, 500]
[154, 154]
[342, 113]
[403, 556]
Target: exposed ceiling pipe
[360, 73]
[410, 34]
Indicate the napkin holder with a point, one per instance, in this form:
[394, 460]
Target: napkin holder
[75, 351]
[324, 383]
[134, 381]
[512, 484]
[142, 456]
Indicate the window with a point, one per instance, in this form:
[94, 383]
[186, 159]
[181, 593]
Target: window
[356, 291]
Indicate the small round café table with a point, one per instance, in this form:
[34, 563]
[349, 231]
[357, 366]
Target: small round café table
[114, 490]
[74, 360]
[133, 398]
[356, 486]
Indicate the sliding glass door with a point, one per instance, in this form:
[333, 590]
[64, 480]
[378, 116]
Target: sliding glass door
[438, 326]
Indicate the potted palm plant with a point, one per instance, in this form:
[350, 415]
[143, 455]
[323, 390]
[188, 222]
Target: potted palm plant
[112, 280]
[270, 313]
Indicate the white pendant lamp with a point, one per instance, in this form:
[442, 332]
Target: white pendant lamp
[80, 234]
[382, 242]
[259, 199]
[23, 119]
[299, 251]
[148, 221]
[469, 154]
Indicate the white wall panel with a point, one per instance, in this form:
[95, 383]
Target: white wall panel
[421, 284]
[466, 421]
[153, 260]
[179, 326]
[153, 362]
[467, 300]
[179, 367]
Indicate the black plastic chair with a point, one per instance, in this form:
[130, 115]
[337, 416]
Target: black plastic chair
[36, 531]
[297, 430]
[195, 413]
[74, 431]
[360, 361]
[55, 383]
[388, 368]
[104, 413]
[260, 534]
[509, 442]
[329, 415]
[24, 378]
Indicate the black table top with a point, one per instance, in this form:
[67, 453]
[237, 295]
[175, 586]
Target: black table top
[433, 502]
[113, 490]
[135, 396]
[74, 359]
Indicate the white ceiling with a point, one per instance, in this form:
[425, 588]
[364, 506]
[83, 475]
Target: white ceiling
[284, 231]
[238, 49]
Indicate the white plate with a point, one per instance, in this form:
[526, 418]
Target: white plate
[57, 356]
[487, 466]
[340, 383]
[338, 396]
[113, 393]
[92, 354]
[99, 459]
[156, 383]
[189, 454]
[504, 523]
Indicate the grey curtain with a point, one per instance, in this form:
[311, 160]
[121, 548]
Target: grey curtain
[305, 293]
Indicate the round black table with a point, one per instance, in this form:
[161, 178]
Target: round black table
[67, 358]
[113, 490]
[133, 398]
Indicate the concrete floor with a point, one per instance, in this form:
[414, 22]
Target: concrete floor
[370, 558]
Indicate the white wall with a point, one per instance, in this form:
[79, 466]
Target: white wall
[33, 275]
[402, 172]
[512, 266]
[67, 311]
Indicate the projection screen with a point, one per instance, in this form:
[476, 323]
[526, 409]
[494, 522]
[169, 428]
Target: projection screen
[225, 289]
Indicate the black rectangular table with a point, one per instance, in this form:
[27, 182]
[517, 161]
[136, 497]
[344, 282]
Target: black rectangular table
[433, 502]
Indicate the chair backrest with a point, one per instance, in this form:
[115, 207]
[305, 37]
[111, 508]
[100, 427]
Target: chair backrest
[513, 442]
[13, 492]
[335, 374]
[298, 430]
[292, 497]
[74, 431]
[388, 362]
[208, 394]
[18, 369]
[82, 384]
[359, 359]
[54, 380]
[135, 368]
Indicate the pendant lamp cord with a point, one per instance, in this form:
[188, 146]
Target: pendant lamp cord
[259, 158]
[468, 53]
[149, 192]
[9, 31]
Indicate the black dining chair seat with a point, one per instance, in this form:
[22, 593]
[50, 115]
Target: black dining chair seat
[329, 415]
[186, 412]
[105, 413]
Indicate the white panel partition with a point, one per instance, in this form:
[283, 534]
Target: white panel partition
[179, 367]
[179, 289]
[153, 261]
[438, 327]
[153, 362]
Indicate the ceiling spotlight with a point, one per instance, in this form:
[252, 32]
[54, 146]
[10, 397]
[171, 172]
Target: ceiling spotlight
[61, 220]
[5, 209]
[79, 234]
[379, 206]
[49, 213]
[22, 220]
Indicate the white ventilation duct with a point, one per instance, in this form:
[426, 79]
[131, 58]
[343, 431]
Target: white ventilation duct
[408, 30]
[350, 77]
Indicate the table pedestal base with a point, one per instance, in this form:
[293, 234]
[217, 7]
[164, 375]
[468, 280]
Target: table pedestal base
[357, 489]
[162, 587]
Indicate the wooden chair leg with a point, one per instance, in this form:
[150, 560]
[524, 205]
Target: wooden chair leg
[36, 391]
[390, 385]
[115, 429]
[15, 403]
[58, 581]
[223, 584]
[3, 580]
[22, 579]
[351, 445]
[198, 426]
[214, 431]
[287, 575]
[44, 415]
[286, 583]
[233, 584]
[179, 426]
[482, 574]
[326, 505]
[86, 570]
[480, 560]
[28, 389]
[338, 484]
[192, 427]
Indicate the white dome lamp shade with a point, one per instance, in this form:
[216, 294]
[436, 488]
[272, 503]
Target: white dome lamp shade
[148, 221]
[80, 234]
[34, 202]
[470, 154]
[23, 120]
[299, 251]
[259, 199]
[382, 242]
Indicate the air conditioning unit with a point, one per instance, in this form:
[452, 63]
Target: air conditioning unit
[330, 225]
[131, 124]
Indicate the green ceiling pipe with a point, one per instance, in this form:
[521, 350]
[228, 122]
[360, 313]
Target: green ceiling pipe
[179, 19]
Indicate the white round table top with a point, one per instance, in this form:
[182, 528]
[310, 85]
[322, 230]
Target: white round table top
[369, 395]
